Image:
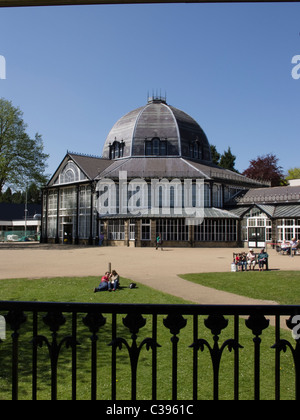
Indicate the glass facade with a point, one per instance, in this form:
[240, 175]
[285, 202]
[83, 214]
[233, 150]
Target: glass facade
[216, 230]
[77, 208]
[172, 229]
[287, 229]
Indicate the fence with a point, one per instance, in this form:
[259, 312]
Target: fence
[114, 351]
[19, 235]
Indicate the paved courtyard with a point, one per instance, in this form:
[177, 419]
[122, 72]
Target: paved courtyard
[155, 268]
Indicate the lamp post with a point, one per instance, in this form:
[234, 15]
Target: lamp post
[26, 210]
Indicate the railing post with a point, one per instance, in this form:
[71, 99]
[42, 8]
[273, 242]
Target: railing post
[54, 320]
[94, 322]
[174, 322]
[257, 323]
[15, 319]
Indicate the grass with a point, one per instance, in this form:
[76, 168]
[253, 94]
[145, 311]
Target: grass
[70, 289]
[81, 290]
[282, 287]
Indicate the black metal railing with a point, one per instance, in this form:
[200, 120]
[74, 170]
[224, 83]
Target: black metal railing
[191, 340]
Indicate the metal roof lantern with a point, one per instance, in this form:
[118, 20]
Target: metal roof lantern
[157, 130]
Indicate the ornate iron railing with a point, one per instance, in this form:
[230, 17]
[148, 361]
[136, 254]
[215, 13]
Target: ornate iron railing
[129, 330]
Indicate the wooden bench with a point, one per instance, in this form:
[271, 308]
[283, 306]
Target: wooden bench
[235, 254]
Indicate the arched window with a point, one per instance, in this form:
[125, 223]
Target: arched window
[69, 174]
[116, 150]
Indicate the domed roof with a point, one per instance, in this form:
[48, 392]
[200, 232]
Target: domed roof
[157, 129]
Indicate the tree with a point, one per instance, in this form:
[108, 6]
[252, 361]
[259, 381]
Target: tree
[227, 160]
[33, 194]
[266, 168]
[6, 197]
[215, 155]
[22, 159]
[293, 173]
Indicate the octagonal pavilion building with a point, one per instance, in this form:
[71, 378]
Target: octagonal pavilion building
[154, 174]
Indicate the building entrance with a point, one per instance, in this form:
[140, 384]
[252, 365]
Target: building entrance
[68, 233]
[257, 237]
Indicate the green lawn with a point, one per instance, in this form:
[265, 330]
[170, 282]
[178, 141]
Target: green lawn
[70, 289]
[81, 290]
[282, 287]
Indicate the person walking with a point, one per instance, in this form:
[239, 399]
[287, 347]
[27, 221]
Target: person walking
[159, 242]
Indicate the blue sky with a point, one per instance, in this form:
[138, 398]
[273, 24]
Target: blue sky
[74, 71]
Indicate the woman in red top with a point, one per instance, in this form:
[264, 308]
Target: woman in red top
[103, 286]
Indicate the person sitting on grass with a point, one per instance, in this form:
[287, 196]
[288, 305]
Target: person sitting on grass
[114, 282]
[103, 286]
[262, 259]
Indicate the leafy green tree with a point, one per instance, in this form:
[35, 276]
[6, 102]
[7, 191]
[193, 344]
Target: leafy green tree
[293, 173]
[22, 159]
[34, 195]
[6, 197]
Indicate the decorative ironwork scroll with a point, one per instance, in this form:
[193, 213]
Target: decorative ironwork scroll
[134, 322]
[54, 320]
[216, 323]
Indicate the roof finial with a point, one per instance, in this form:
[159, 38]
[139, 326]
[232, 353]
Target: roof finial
[157, 97]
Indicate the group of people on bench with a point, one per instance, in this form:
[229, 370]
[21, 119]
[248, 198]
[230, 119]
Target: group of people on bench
[245, 261]
[293, 245]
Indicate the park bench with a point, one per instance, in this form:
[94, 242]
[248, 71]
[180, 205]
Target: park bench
[235, 254]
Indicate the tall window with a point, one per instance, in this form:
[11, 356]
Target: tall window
[52, 214]
[217, 196]
[67, 209]
[84, 211]
[146, 229]
[132, 230]
[196, 150]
